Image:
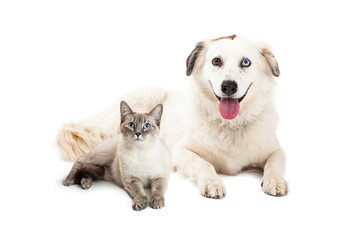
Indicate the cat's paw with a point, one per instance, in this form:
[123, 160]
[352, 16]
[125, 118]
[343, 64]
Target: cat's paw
[86, 183]
[274, 186]
[157, 202]
[68, 182]
[139, 203]
[212, 187]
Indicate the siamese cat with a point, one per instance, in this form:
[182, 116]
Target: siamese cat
[133, 159]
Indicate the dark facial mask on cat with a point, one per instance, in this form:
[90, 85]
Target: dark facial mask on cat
[139, 127]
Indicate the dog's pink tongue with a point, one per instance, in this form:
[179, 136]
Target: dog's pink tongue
[229, 107]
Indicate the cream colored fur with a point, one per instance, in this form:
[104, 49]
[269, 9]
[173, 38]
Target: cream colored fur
[202, 142]
[146, 163]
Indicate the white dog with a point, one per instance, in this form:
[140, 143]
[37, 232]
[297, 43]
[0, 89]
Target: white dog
[223, 123]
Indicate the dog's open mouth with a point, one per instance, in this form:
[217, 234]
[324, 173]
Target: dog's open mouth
[230, 107]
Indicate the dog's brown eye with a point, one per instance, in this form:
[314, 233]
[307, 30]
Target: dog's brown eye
[217, 62]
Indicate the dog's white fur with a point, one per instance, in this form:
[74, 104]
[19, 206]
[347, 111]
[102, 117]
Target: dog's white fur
[202, 142]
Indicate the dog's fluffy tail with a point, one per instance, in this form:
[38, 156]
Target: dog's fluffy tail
[76, 139]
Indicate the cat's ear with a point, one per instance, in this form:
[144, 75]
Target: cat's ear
[156, 113]
[125, 110]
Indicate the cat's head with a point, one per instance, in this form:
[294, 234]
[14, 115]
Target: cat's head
[140, 127]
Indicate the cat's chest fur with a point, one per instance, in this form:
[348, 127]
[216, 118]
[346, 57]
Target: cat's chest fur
[144, 162]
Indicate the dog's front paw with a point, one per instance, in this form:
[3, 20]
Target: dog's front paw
[139, 203]
[157, 202]
[212, 187]
[275, 186]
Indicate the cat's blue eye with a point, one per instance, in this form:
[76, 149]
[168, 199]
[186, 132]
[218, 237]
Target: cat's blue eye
[245, 62]
[147, 126]
[131, 125]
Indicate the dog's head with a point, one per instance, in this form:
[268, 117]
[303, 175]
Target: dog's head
[231, 67]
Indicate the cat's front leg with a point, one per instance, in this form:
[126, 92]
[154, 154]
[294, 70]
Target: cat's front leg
[135, 189]
[158, 186]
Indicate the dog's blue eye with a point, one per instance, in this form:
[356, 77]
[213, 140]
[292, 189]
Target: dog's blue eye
[245, 62]
[131, 125]
[147, 126]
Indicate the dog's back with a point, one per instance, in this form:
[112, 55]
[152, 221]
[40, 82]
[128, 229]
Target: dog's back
[75, 139]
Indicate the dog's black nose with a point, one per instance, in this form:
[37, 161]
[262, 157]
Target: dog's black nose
[137, 134]
[229, 87]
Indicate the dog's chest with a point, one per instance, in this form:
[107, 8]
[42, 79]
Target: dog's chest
[231, 149]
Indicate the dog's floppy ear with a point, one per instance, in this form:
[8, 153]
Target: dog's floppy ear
[271, 60]
[192, 58]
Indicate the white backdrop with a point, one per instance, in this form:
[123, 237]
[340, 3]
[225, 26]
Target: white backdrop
[61, 61]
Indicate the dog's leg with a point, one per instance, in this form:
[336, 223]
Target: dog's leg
[191, 165]
[273, 180]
